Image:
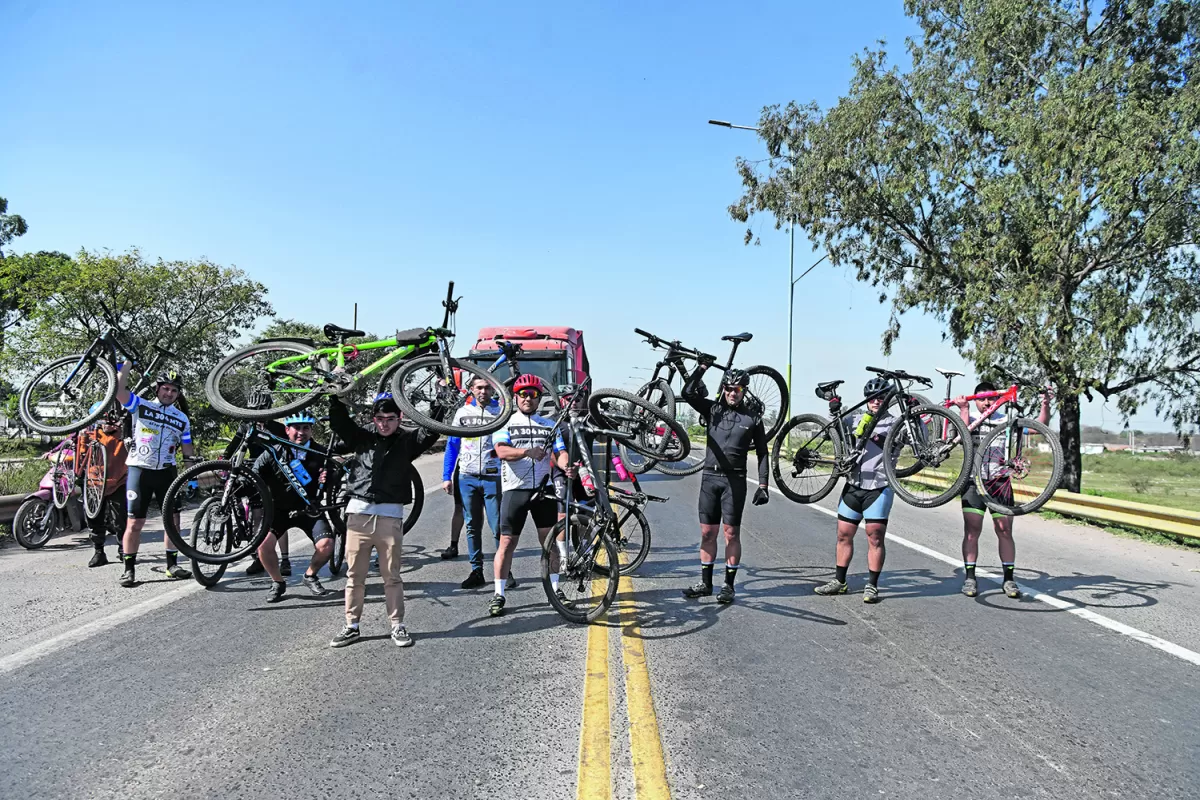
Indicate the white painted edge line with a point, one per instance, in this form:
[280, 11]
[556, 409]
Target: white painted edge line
[1190, 656]
[86, 631]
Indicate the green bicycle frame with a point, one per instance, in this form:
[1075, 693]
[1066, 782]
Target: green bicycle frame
[338, 354]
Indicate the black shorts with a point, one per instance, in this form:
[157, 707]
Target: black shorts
[143, 486]
[517, 504]
[316, 528]
[457, 493]
[972, 500]
[722, 499]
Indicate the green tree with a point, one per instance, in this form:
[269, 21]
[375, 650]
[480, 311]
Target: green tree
[1031, 178]
[11, 226]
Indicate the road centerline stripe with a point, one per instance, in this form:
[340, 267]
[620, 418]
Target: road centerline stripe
[645, 741]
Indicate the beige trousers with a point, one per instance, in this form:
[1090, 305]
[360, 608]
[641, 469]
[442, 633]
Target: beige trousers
[385, 534]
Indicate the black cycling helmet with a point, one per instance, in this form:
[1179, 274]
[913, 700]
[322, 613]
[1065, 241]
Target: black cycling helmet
[985, 386]
[735, 377]
[169, 377]
[875, 386]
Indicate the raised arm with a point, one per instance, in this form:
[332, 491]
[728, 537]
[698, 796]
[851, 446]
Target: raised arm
[341, 423]
[693, 391]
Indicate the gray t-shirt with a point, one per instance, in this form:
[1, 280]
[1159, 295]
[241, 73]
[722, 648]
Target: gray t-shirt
[868, 472]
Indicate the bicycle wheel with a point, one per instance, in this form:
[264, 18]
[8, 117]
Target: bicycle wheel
[59, 398]
[585, 580]
[62, 481]
[210, 534]
[423, 389]
[659, 393]
[771, 390]
[95, 476]
[1009, 469]
[805, 458]
[334, 498]
[34, 523]
[632, 535]
[644, 427]
[933, 442]
[914, 401]
[292, 375]
[636, 463]
[242, 496]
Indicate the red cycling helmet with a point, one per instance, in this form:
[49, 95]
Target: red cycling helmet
[528, 381]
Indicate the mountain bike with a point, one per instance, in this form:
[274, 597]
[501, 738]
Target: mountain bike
[91, 470]
[767, 392]
[60, 397]
[812, 452]
[277, 377]
[1011, 474]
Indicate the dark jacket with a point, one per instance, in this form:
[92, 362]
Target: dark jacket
[379, 469]
[284, 496]
[731, 432]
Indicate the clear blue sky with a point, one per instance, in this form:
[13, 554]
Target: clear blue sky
[553, 160]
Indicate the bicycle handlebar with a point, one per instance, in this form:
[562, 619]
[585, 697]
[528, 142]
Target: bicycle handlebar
[900, 375]
[674, 346]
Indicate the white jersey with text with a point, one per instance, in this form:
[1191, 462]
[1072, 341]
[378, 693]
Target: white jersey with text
[157, 431]
[524, 431]
[476, 455]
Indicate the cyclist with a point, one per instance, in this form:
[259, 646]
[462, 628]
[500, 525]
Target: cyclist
[306, 461]
[471, 471]
[973, 507]
[159, 429]
[525, 446]
[866, 497]
[379, 487]
[734, 426]
[110, 435]
[255, 449]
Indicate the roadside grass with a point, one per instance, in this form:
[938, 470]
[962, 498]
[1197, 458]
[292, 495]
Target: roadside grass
[1171, 480]
[22, 477]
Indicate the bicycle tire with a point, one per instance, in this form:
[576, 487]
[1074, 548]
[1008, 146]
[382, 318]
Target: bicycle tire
[636, 463]
[638, 438]
[918, 400]
[408, 389]
[94, 479]
[834, 437]
[660, 393]
[228, 407]
[33, 533]
[210, 578]
[632, 559]
[771, 376]
[243, 474]
[958, 438]
[27, 404]
[605, 599]
[60, 494]
[995, 503]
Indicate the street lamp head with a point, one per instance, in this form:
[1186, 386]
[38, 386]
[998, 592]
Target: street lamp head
[720, 122]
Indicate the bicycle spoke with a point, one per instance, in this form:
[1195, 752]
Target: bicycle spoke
[807, 458]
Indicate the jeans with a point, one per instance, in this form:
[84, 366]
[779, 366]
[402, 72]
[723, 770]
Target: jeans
[479, 492]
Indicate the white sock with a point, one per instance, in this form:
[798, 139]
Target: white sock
[500, 586]
[562, 550]
[352, 625]
[554, 582]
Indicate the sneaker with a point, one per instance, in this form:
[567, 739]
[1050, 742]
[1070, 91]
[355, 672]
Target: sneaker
[970, 587]
[512, 582]
[177, 573]
[349, 635]
[276, 592]
[128, 580]
[255, 568]
[1011, 589]
[98, 559]
[313, 583]
[700, 589]
[562, 598]
[870, 593]
[400, 636]
[496, 607]
[450, 552]
[725, 597]
[285, 567]
[474, 580]
[833, 587]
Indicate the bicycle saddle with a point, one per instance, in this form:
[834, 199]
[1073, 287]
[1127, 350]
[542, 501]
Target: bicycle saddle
[334, 331]
[948, 373]
[828, 389]
[738, 337]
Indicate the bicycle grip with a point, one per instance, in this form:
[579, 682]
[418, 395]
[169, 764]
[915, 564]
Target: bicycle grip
[647, 334]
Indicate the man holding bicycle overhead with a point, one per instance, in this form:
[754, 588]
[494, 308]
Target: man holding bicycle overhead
[525, 446]
[733, 427]
[471, 469]
[159, 429]
[866, 497]
[973, 505]
[379, 487]
[306, 461]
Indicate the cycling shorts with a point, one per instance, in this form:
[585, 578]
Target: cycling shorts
[972, 500]
[315, 528]
[858, 504]
[517, 504]
[143, 486]
[722, 499]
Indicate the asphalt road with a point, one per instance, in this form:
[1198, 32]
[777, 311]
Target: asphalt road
[169, 689]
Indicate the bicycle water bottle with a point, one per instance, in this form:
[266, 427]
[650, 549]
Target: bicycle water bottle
[619, 466]
[585, 477]
[863, 424]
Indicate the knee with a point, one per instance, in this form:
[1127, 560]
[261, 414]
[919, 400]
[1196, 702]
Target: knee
[732, 533]
[1004, 534]
[325, 546]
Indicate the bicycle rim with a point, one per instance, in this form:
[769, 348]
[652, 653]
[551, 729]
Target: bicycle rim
[632, 535]
[934, 449]
[287, 374]
[242, 496]
[769, 388]
[95, 476]
[210, 534]
[429, 395]
[62, 480]
[804, 458]
[644, 427]
[590, 576]
[1013, 474]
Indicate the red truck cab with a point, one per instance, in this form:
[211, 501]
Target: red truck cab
[554, 353]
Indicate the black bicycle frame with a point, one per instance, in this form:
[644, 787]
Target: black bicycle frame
[841, 416]
[251, 433]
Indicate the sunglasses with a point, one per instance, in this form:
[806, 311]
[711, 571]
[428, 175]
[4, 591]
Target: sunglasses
[735, 388]
[528, 393]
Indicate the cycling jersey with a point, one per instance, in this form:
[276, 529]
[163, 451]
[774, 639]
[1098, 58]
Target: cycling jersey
[157, 431]
[731, 433]
[476, 455]
[992, 461]
[868, 472]
[524, 431]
